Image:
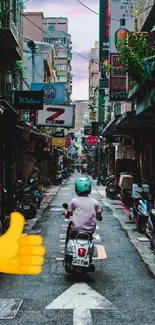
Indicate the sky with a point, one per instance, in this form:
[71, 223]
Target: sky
[84, 29]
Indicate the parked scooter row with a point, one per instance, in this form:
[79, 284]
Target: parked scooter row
[63, 175]
[27, 200]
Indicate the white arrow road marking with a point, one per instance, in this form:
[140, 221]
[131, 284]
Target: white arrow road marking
[81, 317]
[81, 298]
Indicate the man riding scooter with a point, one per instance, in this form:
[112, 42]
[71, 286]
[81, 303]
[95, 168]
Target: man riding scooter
[83, 209]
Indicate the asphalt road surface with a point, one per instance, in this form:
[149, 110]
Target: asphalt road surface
[121, 291]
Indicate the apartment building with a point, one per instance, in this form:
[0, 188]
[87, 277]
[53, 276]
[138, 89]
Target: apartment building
[81, 114]
[145, 17]
[56, 33]
[94, 80]
[53, 31]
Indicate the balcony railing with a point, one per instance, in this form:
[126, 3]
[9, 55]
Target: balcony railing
[11, 32]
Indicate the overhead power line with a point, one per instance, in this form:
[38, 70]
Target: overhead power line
[88, 8]
[50, 36]
[96, 13]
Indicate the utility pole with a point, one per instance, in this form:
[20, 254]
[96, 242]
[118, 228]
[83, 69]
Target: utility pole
[99, 159]
[33, 48]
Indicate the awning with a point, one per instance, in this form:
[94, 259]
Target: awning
[127, 121]
[6, 107]
[110, 129]
[130, 122]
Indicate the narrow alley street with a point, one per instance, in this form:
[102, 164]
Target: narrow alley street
[122, 280]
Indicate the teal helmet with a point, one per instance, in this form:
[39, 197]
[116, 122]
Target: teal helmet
[82, 185]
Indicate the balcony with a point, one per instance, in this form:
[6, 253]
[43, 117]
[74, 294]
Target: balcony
[10, 35]
[147, 17]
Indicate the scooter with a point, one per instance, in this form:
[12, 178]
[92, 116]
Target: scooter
[112, 187]
[79, 251]
[141, 206]
[150, 226]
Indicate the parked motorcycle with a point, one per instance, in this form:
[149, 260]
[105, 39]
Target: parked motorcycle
[111, 187]
[141, 206]
[150, 226]
[103, 178]
[79, 251]
[23, 201]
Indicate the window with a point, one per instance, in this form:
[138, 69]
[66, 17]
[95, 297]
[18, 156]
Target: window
[51, 27]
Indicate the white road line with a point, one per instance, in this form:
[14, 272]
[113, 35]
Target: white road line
[96, 237]
[62, 235]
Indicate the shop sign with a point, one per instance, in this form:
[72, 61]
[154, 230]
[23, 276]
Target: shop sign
[58, 142]
[103, 82]
[118, 79]
[53, 92]
[56, 115]
[72, 150]
[68, 141]
[104, 34]
[28, 100]
[98, 128]
[88, 130]
[122, 21]
[91, 140]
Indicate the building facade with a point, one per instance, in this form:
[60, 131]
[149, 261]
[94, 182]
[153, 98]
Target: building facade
[56, 33]
[53, 31]
[11, 78]
[94, 82]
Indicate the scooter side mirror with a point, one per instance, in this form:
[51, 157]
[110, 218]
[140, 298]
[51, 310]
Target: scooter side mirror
[65, 206]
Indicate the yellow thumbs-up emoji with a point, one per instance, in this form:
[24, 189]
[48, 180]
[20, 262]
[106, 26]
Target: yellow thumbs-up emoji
[20, 254]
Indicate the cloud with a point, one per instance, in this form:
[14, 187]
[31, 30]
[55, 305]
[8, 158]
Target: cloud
[83, 27]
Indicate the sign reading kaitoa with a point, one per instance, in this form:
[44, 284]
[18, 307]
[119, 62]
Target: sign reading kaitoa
[28, 100]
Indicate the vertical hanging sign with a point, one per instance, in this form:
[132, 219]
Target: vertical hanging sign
[122, 21]
[104, 36]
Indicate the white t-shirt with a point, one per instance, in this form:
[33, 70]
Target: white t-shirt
[84, 210]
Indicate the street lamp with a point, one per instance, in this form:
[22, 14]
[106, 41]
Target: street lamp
[99, 159]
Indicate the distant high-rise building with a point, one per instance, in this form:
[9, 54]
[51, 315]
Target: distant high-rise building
[81, 114]
[56, 33]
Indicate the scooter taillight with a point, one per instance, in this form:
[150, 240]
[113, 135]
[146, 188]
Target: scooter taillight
[82, 252]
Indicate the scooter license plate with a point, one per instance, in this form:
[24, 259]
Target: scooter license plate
[80, 262]
[26, 207]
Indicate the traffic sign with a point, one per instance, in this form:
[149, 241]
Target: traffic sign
[92, 140]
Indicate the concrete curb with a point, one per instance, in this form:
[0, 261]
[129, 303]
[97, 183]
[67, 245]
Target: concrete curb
[31, 226]
[140, 241]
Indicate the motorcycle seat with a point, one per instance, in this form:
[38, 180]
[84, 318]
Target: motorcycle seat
[81, 235]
